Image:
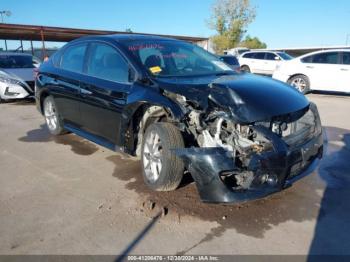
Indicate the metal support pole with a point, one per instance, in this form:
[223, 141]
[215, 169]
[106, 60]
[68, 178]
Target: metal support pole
[22, 45]
[31, 46]
[43, 49]
[5, 44]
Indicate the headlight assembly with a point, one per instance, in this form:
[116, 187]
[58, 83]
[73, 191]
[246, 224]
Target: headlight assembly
[8, 80]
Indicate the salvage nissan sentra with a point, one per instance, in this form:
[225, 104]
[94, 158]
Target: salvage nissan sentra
[179, 108]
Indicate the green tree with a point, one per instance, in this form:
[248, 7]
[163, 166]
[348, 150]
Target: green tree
[230, 19]
[252, 43]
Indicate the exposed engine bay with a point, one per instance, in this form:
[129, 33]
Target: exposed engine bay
[247, 145]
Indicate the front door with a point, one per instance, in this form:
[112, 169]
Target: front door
[104, 90]
[270, 63]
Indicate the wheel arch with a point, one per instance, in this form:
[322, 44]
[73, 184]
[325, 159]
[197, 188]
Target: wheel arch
[142, 115]
[43, 94]
[298, 74]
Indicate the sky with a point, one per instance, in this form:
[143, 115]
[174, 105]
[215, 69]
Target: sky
[279, 23]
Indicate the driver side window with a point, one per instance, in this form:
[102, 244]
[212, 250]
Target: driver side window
[106, 63]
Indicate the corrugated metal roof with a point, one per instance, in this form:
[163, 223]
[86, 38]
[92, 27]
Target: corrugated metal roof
[61, 34]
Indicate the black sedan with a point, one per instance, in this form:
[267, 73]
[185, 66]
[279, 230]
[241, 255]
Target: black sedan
[178, 108]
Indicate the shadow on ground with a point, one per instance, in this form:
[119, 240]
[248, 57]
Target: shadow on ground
[78, 145]
[332, 231]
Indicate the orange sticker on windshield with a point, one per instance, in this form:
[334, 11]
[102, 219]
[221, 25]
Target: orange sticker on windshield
[155, 69]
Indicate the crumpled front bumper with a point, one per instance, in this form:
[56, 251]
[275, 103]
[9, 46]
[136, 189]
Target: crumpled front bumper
[284, 162]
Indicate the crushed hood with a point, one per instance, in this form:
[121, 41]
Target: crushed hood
[250, 98]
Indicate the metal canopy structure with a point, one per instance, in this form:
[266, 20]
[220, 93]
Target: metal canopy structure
[60, 34]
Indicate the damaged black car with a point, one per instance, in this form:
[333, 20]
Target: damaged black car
[181, 109]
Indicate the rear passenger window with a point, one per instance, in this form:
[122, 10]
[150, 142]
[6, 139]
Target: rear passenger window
[326, 58]
[73, 58]
[259, 56]
[106, 63]
[346, 58]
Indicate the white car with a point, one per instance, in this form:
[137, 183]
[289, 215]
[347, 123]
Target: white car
[17, 75]
[236, 51]
[262, 62]
[327, 70]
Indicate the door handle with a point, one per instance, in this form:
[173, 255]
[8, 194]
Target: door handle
[85, 92]
[310, 67]
[344, 69]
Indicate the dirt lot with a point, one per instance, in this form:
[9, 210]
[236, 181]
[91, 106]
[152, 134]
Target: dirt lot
[66, 195]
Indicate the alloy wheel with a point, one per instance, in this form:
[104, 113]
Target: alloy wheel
[299, 83]
[50, 115]
[152, 152]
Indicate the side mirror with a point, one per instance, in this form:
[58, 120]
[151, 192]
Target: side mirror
[277, 58]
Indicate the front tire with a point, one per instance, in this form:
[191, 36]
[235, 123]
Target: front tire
[52, 117]
[301, 83]
[162, 169]
[245, 69]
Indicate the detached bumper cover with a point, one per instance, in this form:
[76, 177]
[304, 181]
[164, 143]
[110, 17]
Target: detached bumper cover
[286, 163]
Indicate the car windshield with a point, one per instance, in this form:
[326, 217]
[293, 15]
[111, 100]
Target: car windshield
[174, 58]
[16, 61]
[285, 56]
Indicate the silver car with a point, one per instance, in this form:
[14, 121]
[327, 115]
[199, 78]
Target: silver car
[17, 75]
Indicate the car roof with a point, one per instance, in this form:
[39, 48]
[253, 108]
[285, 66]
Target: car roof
[127, 37]
[324, 51]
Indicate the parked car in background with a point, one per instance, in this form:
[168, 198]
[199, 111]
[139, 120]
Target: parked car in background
[236, 51]
[17, 75]
[327, 70]
[178, 107]
[262, 62]
[231, 61]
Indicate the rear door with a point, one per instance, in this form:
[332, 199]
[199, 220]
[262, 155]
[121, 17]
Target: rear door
[104, 90]
[344, 68]
[64, 82]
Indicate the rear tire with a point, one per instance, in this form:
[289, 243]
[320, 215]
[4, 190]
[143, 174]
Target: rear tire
[162, 169]
[52, 117]
[301, 83]
[245, 69]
